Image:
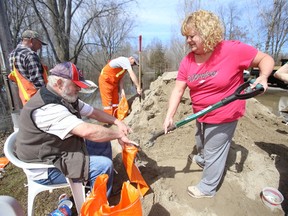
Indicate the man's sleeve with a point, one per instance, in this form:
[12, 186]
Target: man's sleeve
[85, 109]
[56, 119]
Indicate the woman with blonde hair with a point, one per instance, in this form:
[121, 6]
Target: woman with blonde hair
[212, 71]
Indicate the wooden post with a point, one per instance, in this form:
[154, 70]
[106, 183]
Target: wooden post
[140, 63]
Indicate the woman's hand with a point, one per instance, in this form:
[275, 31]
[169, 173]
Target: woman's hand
[139, 90]
[167, 123]
[261, 80]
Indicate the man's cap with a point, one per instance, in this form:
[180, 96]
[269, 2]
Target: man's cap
[32, 34]
[136, 58]
[70, 71]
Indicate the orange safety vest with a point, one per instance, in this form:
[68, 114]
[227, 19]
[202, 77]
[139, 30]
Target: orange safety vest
[26, 88]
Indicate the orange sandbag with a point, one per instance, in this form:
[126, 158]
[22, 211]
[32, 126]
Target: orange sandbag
[96, 203]
[3, 162]
[134, 174]
[123, 108]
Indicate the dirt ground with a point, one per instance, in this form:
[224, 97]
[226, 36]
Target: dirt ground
[258, 158]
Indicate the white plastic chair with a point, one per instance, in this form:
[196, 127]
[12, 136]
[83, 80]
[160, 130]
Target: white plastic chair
[78, 190]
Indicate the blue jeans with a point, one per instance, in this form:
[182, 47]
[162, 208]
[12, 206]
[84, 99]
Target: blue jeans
[100, 163]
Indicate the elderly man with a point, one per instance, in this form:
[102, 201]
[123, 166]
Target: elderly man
[26, 68]
[51, 131]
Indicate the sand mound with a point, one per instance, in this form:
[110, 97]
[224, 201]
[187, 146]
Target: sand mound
[257, 158]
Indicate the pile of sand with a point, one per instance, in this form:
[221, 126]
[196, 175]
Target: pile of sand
[258, 158]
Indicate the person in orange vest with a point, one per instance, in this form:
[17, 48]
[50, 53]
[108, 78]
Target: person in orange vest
[26, 68]
[111, 79]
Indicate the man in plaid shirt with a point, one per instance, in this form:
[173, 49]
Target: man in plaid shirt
[26, 59]
[26, 69]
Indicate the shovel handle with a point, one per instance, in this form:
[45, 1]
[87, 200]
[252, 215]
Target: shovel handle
[248, 91]
[155, 136]
[243, 92]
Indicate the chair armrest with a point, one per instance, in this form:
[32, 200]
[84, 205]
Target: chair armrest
[37, 165]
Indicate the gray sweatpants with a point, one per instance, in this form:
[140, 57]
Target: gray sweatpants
[213, 142]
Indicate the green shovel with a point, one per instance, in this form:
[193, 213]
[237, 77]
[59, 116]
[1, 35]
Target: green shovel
[243, 92]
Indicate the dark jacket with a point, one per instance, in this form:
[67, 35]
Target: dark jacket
[34, 145]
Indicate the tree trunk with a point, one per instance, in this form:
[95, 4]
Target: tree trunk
[6, 47]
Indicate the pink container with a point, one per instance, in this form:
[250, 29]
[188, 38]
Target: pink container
[272, 197]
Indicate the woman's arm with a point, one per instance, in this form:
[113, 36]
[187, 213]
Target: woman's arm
[174, 101]
[265, 63]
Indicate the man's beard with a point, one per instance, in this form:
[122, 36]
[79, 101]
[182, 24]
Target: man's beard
[69, 98]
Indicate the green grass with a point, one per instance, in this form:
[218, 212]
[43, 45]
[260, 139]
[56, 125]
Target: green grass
[13, 184]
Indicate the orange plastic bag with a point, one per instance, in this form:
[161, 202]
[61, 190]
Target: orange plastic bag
[3, 162]
[123, 108]
[134, 174]
[96, 203]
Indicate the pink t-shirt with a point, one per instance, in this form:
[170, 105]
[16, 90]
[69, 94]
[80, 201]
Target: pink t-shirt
[216, 79]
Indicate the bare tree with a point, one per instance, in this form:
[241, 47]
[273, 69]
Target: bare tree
[230, 17]
[178, 48]
[186, 7]
[275, 21]
[157, 60]
[110, 35]
[66, 23]
[112, 32]
[22, 18]
[5, 48]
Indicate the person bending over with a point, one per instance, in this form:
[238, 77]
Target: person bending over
[111, 81]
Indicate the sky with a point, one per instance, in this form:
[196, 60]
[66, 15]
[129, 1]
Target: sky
[155, 19]
[159, 18]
